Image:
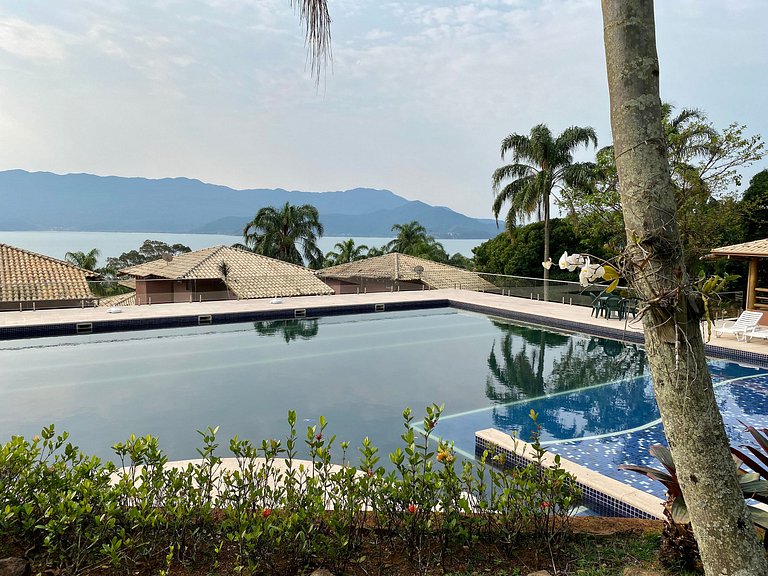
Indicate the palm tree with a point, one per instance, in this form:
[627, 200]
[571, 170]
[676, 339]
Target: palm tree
[81, 259]
[346, 251]
[408, 237]
[289, 234]
[540, 164]
[412, 239]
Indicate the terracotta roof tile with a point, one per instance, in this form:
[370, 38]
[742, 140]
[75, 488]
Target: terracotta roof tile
[26, 276]
[396, 266]
[127, 299]
[250, 275]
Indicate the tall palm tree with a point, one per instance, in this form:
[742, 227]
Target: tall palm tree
[289, 234]
[412, 239]
[346, 251]
[84, 260]
[540, 165]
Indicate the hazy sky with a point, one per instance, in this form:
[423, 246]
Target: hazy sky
[418, 99]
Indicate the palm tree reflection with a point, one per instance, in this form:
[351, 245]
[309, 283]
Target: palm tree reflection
[586, 386]
[305, 328]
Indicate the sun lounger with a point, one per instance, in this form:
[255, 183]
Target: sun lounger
[757, 332]
[741, 325]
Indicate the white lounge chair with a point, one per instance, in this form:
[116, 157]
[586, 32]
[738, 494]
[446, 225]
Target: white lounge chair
[757, 332]
[740, 326]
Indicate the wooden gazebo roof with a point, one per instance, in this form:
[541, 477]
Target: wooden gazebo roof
[753, 249]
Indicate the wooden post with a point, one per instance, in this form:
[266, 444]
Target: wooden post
[751, 284]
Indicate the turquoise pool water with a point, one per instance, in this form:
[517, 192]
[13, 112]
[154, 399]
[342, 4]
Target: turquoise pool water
[593, 396]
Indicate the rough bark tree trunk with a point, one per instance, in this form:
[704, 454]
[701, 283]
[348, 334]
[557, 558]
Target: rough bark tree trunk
[546, 246]
[654, 267]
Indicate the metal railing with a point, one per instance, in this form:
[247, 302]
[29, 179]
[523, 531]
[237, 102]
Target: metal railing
[35, 296]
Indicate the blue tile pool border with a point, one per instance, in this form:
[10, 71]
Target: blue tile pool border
[602, 495]
[182, 321]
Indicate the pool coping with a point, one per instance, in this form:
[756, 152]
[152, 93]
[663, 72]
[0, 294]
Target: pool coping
[603, 495]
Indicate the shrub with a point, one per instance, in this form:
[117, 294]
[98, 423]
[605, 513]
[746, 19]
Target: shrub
[271, 512]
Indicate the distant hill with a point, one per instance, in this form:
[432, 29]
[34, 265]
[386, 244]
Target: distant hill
[46, 201]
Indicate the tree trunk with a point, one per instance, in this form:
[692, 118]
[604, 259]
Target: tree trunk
[546, 245]
[655, 269]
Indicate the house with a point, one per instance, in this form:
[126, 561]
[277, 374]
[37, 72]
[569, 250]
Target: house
[395, 272]
[30, 281]
[220, 273]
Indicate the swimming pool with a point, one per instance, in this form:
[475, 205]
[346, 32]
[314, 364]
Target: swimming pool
[357, 371]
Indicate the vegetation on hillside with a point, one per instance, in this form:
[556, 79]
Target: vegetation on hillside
[150, 250]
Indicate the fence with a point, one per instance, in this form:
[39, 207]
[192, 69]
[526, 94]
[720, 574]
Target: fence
[27, 296]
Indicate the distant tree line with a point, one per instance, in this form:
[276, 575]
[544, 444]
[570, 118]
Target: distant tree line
[290, 233]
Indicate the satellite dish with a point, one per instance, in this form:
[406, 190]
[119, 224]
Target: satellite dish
[167, 256]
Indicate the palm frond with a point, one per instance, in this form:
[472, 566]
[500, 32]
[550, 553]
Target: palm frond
[316, 19]
[511, 171]
[508, 193]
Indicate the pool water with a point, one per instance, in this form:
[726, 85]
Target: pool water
[593, 396]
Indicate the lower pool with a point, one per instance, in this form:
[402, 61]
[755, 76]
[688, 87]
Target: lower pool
[593, 396]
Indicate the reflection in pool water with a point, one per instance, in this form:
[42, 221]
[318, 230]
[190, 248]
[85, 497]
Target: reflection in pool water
[594, 399]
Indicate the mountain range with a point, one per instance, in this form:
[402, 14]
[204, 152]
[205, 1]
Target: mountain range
[86, 202]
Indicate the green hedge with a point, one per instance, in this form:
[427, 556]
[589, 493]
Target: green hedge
[74, 512]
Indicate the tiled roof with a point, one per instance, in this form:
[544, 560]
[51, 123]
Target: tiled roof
[128, 299]
[396, 266]
[26, 276]
[249, 275]
[755, 248]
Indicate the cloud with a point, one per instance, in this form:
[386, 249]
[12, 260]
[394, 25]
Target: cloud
[31, 42]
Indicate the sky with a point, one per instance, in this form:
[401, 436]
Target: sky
[417, 99]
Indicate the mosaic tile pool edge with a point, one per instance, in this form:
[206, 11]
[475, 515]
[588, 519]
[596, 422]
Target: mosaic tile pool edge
[625, 502]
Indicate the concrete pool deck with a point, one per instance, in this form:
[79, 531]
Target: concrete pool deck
[551, 314]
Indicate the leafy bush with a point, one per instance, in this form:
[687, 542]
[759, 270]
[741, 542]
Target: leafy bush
[270, 511]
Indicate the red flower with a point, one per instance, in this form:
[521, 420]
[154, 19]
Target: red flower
[266, 512]
[412, 508]
[370, 472]
[319, 437]
[545, 504]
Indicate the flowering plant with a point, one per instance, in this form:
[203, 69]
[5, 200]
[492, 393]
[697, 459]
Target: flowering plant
[589, 271]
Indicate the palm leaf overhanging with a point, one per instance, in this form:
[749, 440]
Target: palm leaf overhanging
[316, 19]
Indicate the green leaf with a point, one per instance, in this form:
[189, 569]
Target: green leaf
[610, 272]
[759, 516]
[680, 511]
[663, 455]
[612, 286]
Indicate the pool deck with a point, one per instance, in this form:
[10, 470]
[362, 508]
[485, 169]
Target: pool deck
[545, 313]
